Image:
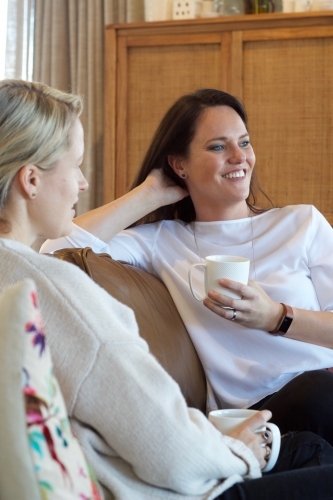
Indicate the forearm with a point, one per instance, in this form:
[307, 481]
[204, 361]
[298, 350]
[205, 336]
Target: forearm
[156, 191]
[106, 221]
[314, 327]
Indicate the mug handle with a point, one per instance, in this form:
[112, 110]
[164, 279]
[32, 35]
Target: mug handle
[275, 447]
[199, 299]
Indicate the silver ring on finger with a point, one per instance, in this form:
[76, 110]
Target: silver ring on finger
[265, 435]
[234, 316]
[268, 453]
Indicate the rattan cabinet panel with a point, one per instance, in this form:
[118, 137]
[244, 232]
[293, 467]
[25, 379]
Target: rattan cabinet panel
[290, 104]
[157, 76]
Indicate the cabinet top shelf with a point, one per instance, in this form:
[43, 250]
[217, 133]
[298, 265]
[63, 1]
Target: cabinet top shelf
[226, 23]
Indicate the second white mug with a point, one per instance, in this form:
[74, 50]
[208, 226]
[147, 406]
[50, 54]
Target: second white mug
[226, 420]
[216, 267]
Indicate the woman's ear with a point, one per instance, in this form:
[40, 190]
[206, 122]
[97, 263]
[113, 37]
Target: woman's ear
[28, 178]
[177, 165]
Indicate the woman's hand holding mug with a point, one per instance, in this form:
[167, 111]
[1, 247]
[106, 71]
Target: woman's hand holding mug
[253, 429]
[255, 310]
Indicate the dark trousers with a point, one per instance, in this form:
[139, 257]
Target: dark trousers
[304, 471]
[304, 404]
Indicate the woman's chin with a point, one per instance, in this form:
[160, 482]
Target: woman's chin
[60, 234]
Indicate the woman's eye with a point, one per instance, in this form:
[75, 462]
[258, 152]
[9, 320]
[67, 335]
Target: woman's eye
[244, 144]
[217, 147]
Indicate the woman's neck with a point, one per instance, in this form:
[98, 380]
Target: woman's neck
[12, 236]
[231, 212]
[10, 230]
[16, 225]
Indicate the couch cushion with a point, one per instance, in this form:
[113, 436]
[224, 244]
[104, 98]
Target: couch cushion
[50, 451]
[157, 316]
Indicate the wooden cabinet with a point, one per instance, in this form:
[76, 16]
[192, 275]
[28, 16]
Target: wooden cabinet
[280, 65]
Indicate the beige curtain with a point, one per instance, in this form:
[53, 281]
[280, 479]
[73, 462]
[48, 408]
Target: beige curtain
[69, 54]
[123, 11]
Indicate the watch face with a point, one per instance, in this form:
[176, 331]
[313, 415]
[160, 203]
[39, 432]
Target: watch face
[285, 324]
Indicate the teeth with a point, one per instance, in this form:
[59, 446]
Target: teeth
[233, 175]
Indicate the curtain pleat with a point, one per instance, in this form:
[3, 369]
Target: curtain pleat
[134, 10]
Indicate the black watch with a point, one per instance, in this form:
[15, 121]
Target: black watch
[287, 319]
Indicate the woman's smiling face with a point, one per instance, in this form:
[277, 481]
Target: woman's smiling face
[219, 164]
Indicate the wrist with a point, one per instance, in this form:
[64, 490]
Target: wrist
[147, 196]
[276, 318]
[285, 321]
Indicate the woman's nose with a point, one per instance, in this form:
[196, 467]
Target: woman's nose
[83, 183]
[237, 155]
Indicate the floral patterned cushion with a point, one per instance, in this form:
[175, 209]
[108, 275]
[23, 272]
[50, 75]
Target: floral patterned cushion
[59, 464]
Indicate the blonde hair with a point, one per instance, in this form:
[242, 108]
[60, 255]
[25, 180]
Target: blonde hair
[35, 127]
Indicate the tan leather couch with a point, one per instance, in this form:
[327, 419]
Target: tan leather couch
[158, 319]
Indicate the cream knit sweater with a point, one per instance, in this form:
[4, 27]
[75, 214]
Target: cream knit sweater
[127, 412]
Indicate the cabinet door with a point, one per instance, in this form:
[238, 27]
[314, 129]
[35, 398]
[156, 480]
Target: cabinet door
[152, 73]
[287, 87]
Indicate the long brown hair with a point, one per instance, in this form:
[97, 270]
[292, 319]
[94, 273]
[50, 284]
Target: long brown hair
[173, 137]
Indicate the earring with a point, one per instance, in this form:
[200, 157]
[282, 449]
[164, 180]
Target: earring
[183, 176]
[33, 195]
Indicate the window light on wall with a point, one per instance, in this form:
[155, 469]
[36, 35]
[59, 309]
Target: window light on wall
[3, 33]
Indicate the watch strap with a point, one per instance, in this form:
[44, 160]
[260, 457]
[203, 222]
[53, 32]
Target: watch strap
[287, 319]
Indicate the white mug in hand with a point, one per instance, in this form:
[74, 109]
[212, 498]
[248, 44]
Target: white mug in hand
[221, 266]
[227, 420]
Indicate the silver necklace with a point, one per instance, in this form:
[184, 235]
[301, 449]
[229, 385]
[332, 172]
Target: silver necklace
[195, 241]
[252, 245]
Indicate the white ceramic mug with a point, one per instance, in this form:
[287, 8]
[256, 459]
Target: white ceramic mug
[226, 420]
[221, 266]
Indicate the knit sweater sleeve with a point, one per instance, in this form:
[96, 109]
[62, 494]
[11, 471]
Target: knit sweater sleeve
[116, 390]
[135, 406]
